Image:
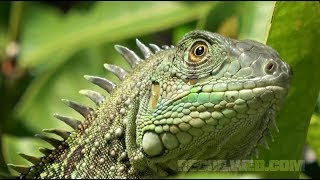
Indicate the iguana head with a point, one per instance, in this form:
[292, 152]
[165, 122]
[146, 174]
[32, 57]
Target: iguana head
[211, 97]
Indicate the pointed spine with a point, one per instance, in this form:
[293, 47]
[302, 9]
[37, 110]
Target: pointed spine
[165, 47]
[69, 121]
[155, 47]
[45, 151]
[20, 168]
[61, 133]
[255, 153]
[54, 142]
[83, 110]
[263, 143]
[116, 70]
[131, 57]
[101, 82]
[144, 49]
[268, 134]
[274, 125]
[96, 97]
[32, 159]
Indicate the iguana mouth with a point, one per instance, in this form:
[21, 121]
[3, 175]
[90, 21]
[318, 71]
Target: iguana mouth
[207, 95]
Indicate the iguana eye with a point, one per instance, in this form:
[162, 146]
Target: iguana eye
[198, 51]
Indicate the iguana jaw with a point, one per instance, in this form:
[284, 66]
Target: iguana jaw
[206, 110]
[212, 144]
[240, 143]
[208, 107]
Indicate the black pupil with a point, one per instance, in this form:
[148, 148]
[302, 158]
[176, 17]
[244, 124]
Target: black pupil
[199, 50]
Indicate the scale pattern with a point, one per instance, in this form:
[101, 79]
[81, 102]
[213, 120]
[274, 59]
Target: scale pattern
[209, 97]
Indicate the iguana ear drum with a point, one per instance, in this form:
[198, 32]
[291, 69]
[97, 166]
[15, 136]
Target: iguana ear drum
[152, 144]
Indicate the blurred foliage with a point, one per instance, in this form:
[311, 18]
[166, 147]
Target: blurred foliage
[57, 46]
[314, 134]
[295, 43]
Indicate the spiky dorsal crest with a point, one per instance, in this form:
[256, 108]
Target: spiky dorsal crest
[132, 58]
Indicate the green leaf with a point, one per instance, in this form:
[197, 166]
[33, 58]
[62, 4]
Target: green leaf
[51, 34]
[239, 19]
[314, 134]
[295, 34]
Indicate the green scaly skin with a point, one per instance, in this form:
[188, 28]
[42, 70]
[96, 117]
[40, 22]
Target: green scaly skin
[172, 107]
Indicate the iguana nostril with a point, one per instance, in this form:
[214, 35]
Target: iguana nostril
[270, 67]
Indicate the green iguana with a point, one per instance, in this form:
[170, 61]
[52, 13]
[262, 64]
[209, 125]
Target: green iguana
[209, 97]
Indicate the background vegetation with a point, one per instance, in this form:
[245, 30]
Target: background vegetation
[47, 47]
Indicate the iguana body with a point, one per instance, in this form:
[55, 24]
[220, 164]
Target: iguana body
[210, 97]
